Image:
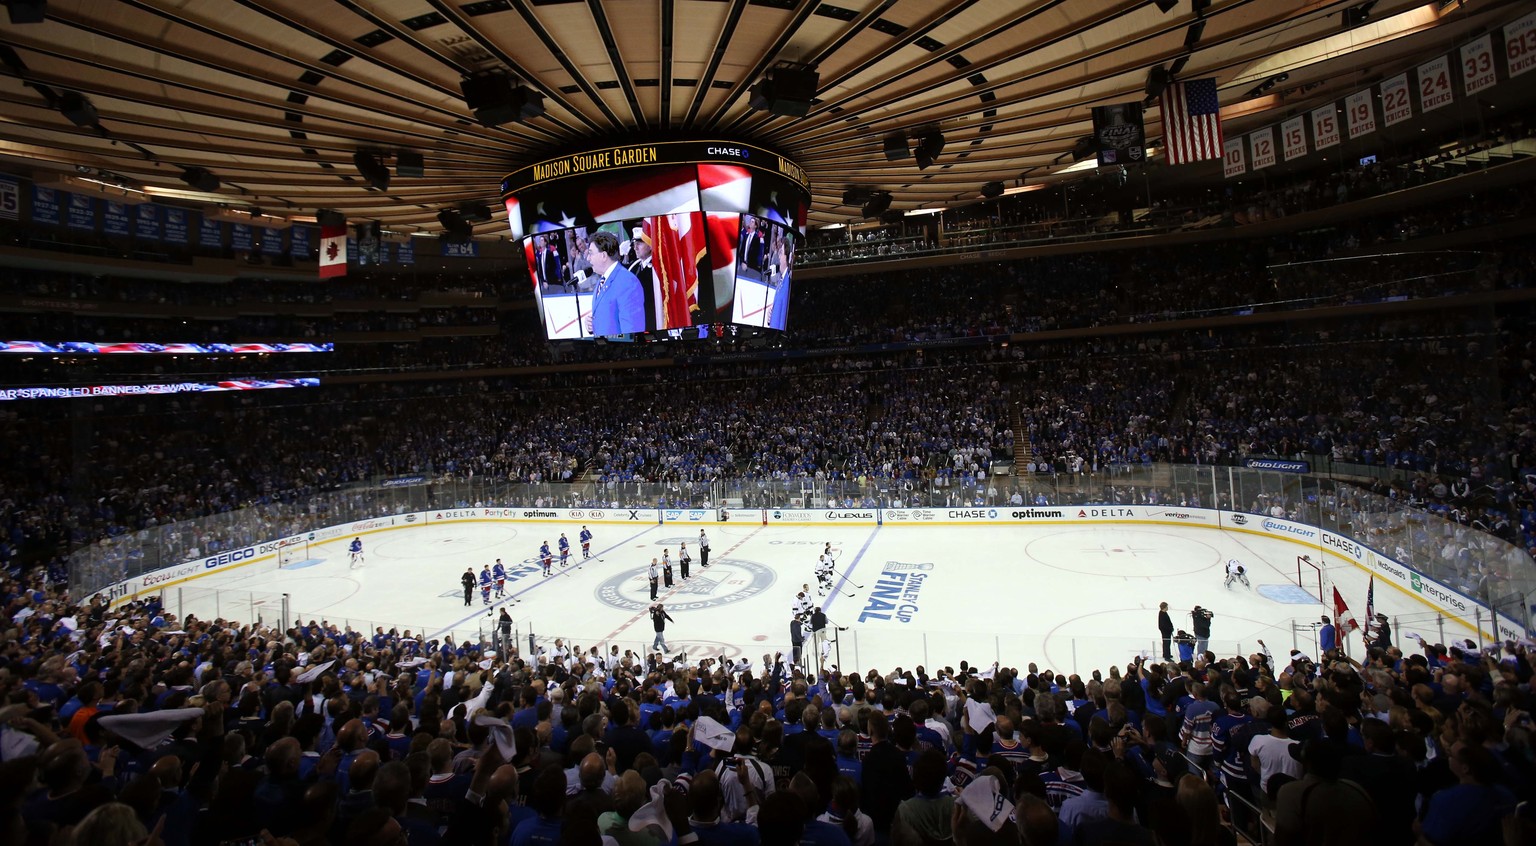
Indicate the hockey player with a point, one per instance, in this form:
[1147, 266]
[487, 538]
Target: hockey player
[485, 585]
[565, 551]
[683, 560]
[500, 572]
[586, 543]
[356, 548]
[545, 558]
[824, 573]
[801, 606]
[1236, 573]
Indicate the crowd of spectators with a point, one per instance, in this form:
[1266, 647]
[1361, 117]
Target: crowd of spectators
[126, 725]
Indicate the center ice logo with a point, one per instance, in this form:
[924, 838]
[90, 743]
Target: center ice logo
[725, 581]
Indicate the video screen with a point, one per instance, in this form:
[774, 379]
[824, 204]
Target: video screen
[659, 249]
[765, 256]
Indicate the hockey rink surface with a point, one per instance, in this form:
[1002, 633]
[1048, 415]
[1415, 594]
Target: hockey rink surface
[1067, 598]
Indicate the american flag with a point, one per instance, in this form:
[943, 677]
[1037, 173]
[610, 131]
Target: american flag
[1191, 121]
[1370, 604]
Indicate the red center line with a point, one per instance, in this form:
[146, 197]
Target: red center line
[646, 613]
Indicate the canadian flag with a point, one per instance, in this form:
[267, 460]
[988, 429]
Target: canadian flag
[333, 251]
[1342, 613]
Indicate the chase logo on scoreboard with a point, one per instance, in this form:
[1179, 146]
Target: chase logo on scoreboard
[727, 581]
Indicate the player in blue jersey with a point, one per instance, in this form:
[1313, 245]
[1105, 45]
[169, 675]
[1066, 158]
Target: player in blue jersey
[586, 543]
[485, 585]
[500, 572]
[545, 558]
[565, 551]
[356, 548]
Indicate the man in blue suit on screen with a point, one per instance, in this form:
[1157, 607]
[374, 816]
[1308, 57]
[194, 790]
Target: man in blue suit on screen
[618, 304]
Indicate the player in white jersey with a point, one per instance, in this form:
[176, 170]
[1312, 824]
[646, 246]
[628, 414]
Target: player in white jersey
[1236, 573]
[823, 574]
[801, 606]
[357, 552]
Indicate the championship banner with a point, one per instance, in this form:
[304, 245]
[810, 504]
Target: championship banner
[407, 252]
[1325, 126]
[468, 249]
[299, 241]
[271, 241]
[240, 237]
[45, 205]
[146, 222]
[1520, 45]
[1262, 144]
[1435, 84]
[1232, 163]
[1293, 134]
[1119, 134]
[82, 212]
[210, 234]
[177, 226]
[1477, 71]
[10, 198]
[114, 218]
[1362, 115]
[1395, 104]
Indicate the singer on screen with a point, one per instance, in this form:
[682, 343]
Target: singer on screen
[618, 306]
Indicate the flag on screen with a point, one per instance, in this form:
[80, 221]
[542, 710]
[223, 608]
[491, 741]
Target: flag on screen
[1191, 121]
[677, 244]
[333, 251]
[725, 187]
[670, 190]
[724, 230]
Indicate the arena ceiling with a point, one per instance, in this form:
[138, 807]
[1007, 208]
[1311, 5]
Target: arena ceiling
[275, 96]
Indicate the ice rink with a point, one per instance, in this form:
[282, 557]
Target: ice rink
[1071, 598]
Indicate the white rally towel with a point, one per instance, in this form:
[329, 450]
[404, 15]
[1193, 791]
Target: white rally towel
[314, 672]
[478, 703]
[980, 714]
[148, 730]
[985, 798]
[654, 812]
[708, 731]
[411, 664]
[501, 734]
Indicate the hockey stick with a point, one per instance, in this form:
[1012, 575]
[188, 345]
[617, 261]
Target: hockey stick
[848, 578]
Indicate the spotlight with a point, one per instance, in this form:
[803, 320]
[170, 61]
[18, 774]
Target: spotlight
[1358, 15]
[496, 99]
[371, 166]
[408, 163]
[77, 108]
[27, 11]
[787, 90]
[200, 179]
[992, 190]
[876, 204]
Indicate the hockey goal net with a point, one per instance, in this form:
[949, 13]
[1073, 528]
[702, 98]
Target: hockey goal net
[293, 553]
[1312, 577]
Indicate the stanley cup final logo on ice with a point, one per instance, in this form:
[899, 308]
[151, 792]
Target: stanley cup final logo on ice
[726, 581]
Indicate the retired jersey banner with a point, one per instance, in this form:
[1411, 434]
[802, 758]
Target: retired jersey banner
[1520, 45]
[1325, 126]
[240, 237]
[1119, 134]
[1362, 115]
[1477, 70]
[10, 198]
[1232, 163]
[1293, 137]
[210, 234]
[1261, 144]
[1396, 106]
[271, 241]
[1435, 84]
[407, 253]
[299, 242]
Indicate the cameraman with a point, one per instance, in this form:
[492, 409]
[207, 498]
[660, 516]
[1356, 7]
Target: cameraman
[1202, 625]
[659, 620]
